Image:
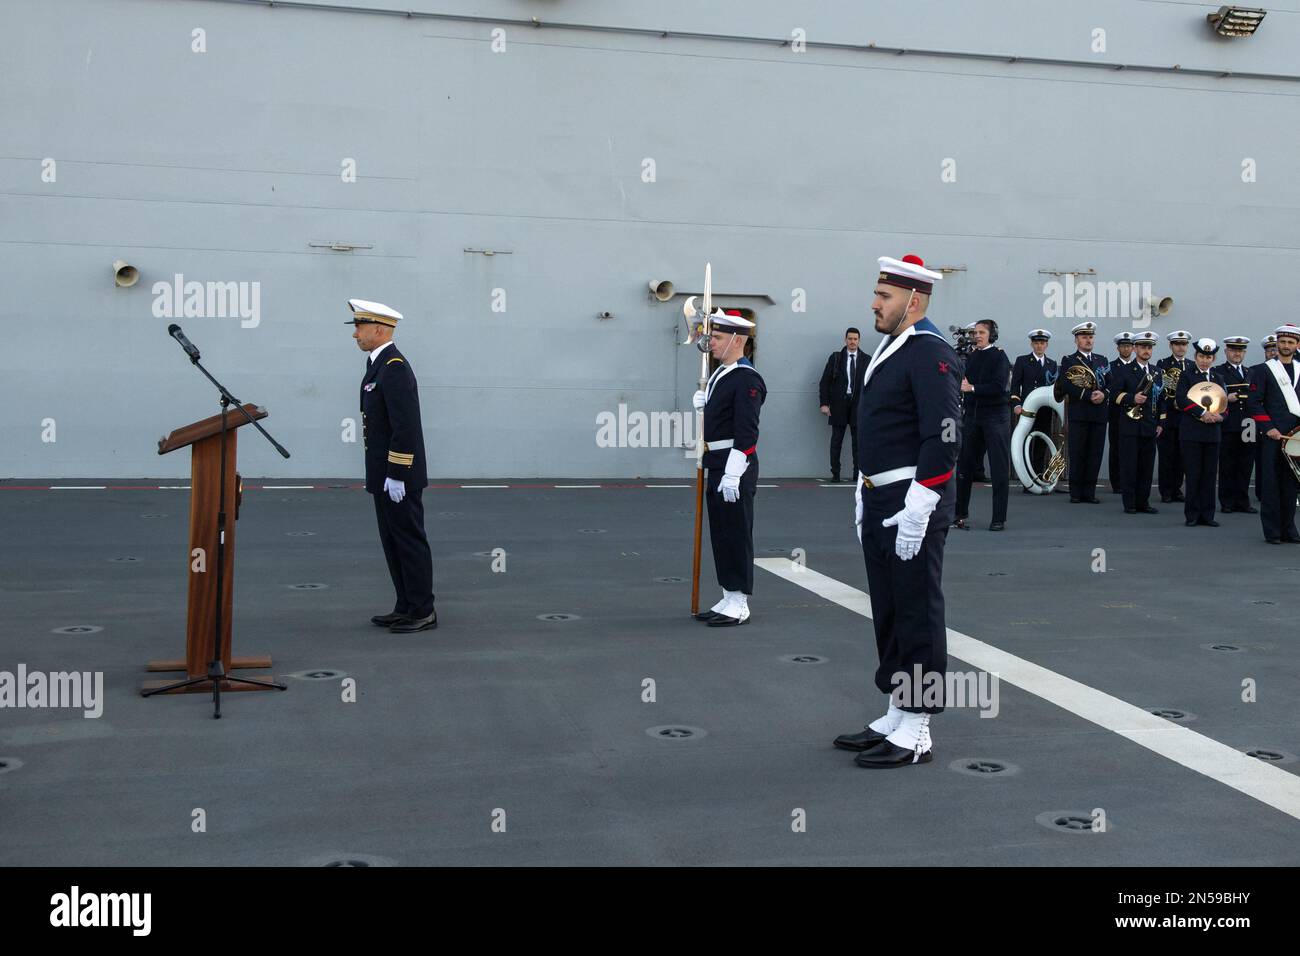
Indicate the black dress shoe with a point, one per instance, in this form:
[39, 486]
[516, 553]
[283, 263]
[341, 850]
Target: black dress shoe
[859, 742]
[1148, 510]
[387, 620]
[1076, 501]
[1273, 540]
[1179, 498]
[835, 479]
[1130, 511]
[961, 525]
[1248, 510]
[706, 616]
[998, 526]
[887, 755]
[1211, 523]
[1226, 511]
[1165, 499]
[411, 625]
[723, 620]
[1092, 501]
[1191, 524]
[1292, 540]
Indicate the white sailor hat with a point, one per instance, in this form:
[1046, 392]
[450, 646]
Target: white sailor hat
[364, 311]
[908, 272]
[1040, 335]
[1084, 328]
[1144, 338]
[1179, 336]
[1290, 328]
[1236, 341]
[731, 321]
[1270, 341]
[1207, 346]
[1123, 337]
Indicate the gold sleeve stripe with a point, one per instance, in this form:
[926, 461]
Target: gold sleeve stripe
[399, 459]
[392, 360]
[1120, 397]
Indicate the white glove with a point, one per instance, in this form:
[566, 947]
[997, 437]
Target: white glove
[396, 489]
[857, 505]
[698, 400]
[737, 462]
[912, 520]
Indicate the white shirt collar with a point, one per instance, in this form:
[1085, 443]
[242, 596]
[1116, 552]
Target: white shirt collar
[375, 354]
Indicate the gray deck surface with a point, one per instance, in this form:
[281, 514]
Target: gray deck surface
[498, 709]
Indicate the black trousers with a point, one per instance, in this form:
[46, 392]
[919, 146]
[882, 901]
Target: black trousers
[837, 446]
[977, 438]
[1086, 442]
[1236, 461]
[1277, 491]
[906, 605]
[406, 549]
[1201, 461]
[1112, 452]
[1137, 458]
[1171, 463]
[731, 529]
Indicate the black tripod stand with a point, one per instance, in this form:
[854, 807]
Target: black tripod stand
[216, 669]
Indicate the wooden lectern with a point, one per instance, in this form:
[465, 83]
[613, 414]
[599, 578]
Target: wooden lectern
[204, 438]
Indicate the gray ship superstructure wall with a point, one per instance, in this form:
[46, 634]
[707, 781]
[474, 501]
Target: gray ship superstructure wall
[590, 162]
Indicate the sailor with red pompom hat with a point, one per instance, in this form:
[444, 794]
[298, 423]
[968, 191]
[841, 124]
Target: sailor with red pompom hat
[908, 422]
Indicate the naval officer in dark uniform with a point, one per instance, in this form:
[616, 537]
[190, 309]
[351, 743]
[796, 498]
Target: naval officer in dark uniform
[1124, 343]
[908, 421]
[1086, 416]
[731, 401]
[1275, 406]
[1270, 352]
[985, 425]
[1031, 371]
[395, 467]
[1137, 386]
[1199, 434]
[1170, 470]
[1236, 455]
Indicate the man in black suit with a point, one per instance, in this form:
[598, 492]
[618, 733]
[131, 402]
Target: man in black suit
[1086, 416]
[395, 467]
[1275, 406]
[1032, 371]
[838, 392]
[1137, 386]
[985, 418]
[1236, 455]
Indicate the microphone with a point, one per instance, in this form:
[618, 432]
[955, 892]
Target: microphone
[175, 332]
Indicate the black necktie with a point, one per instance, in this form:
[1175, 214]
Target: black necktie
[851, 364]
[369, 362]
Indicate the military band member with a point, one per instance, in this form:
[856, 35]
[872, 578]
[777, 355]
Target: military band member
[1270, 352]
[1199, 435]
[395, 467]
[1086, 416]
[1124, 344]
[907, 453]
[731, 401]
[1236, 455]
[1170, 469]
[985, 423]
[1275, 406]
[1137, 384]
[1032, 371]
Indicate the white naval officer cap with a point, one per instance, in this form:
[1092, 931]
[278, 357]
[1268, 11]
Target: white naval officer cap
[1040, 335]
[1123, 337]
[1144, 338]
[1179, 336]
[1084, 328]
[1236, 341]
[366, 311]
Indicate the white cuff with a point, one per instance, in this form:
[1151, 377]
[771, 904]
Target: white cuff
[920, 499]
[737, 462]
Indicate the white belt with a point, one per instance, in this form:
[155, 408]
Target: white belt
[720, 444]
[888, 477]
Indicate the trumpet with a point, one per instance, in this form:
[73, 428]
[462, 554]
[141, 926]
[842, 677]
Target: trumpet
[1135, 412]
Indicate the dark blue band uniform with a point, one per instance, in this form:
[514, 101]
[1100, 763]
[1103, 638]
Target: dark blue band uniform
[1086, 425]
[1276, 483]
[1137, 437]
[731, 421]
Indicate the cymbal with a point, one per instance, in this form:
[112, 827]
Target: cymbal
[1209, 395]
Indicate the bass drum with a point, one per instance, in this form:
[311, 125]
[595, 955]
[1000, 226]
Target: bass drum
[1024, 438]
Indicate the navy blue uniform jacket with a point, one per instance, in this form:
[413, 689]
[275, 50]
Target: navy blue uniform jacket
[909, 414]
[1079, 407]
[1191, 427]
[390, 423]
[1027, 375]
[732, 412]
[1267, 403]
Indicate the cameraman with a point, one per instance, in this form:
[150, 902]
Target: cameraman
[986, 422]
